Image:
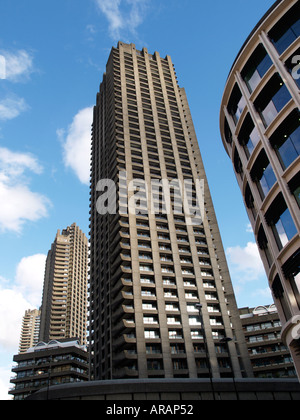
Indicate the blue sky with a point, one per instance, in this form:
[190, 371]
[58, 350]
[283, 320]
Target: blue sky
[55, 54]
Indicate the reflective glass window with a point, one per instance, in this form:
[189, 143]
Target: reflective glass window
[286, 140]
[279, 218]
[263, 175]
[267, 180]
[272, 99]
[285, 227]
[256, 68]
[287, 30]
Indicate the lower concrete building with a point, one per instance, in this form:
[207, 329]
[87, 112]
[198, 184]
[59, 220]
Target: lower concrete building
[269, 356]
[111, 392]
[57, 362]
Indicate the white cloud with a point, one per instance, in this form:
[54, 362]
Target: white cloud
[249, 228]
[265, 294]
[30, 278]
[24, 293]
[11, 107]
[246, 261]
[15, 298]
[14, 163]
[12, 309]
[18, 66]
[125, 18]
[5, 374]
[77, 144]
[248, 276]
[18, 203]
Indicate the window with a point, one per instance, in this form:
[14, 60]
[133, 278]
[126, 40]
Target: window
[194, 320]
[150, 320]
[149, 307]
[279, 294]
[286, 140]
[264, 245]
[151, 334]
[279, 218]
[175, 334]
[228, 134]
[294, 186]
[287, 30]
[262, 174]
[272, 99]
[248, 136]
[238, 166]
[236, 104]
[154, 365]
[153, 349]
[256, 68]
[196, 335]
[179, 364]
[249, 200]
[177, 349]
[291, 270]
[285, 227]
[146, 267]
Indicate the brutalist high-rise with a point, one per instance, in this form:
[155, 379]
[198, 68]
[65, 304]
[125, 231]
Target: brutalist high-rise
[64, 305]
[161, 299]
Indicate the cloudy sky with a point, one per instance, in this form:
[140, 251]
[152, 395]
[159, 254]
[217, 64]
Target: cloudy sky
[52, 57]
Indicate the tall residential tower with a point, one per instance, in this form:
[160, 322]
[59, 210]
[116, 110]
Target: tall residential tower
[30, 330]
[64, 306]
[260, 126]
[154, 260]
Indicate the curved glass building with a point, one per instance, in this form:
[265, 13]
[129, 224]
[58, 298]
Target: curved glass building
[260, 128]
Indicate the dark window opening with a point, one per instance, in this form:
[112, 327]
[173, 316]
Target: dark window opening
[294, 186]
[264, 245]
[236, 104]
[279, 294]
[287, 30]
[248, 136]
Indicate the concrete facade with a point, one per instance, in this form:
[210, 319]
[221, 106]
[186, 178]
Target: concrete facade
[269, 356]
[166, 391]
[30, 330]
[64, 304]
[149, 269]
[260, 127]
[47, 364]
